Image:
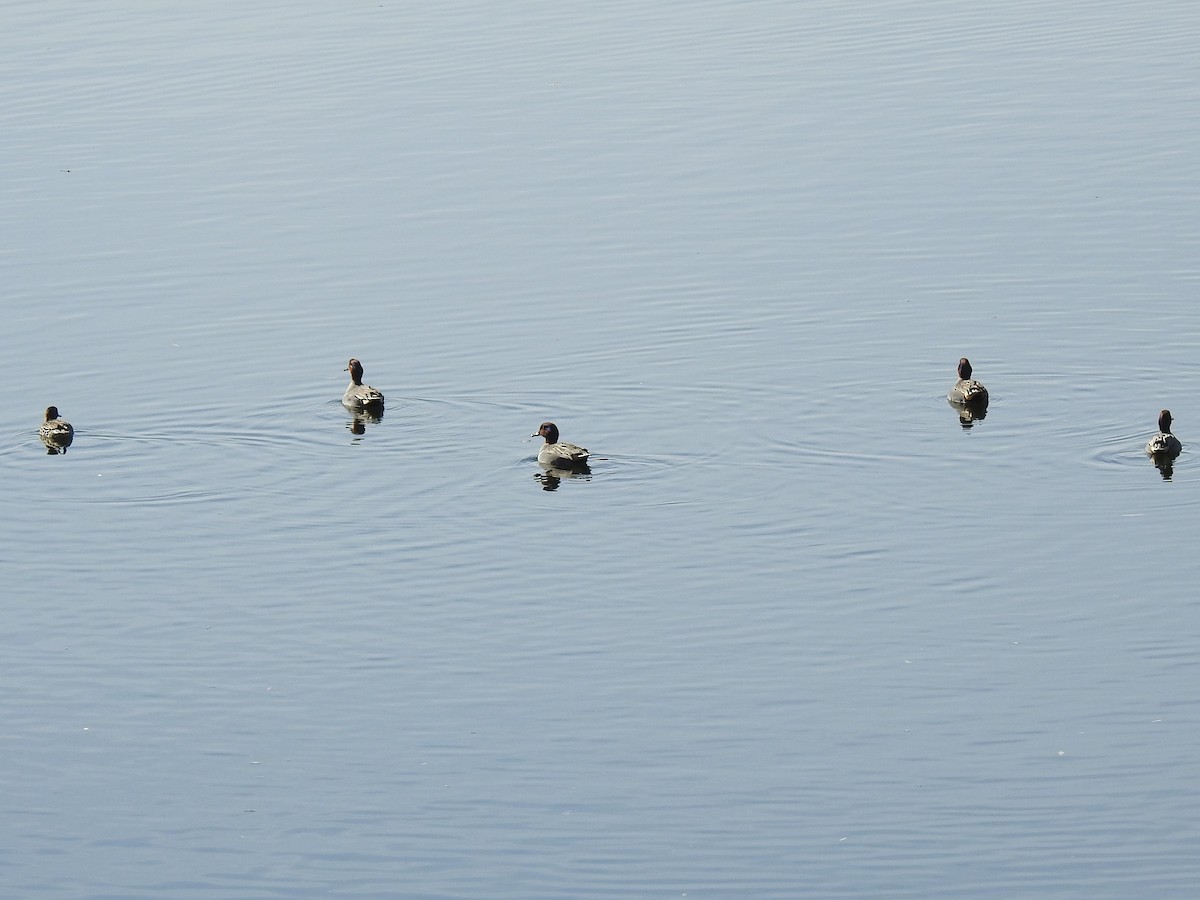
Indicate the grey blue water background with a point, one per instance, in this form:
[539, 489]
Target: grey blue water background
[799, 633]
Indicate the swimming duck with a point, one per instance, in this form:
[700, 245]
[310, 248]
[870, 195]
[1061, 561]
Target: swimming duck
[966, 390]
[56, 433]
[359, 395]
[559, 453]
[1162, 444]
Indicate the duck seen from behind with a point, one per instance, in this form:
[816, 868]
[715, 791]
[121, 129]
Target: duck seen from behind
[967, 390]
[359, 395]
[559, 453]
[55, 432]
[1164, 444]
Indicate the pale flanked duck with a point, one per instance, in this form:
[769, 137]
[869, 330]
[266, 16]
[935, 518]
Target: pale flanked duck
[559, 453]
[56, 433]
[1164, 443]
[967, 390]
[359, 395]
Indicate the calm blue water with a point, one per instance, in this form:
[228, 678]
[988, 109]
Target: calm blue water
[799, 633]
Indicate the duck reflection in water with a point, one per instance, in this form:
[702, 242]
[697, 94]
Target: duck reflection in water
[967, 417]
[1165, 466]
[552, 476]
[968, 396]
[358, 424]
[1164, 447]
[55, 432]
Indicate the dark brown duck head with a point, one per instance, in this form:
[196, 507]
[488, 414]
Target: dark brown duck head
[52, 413]
[964, 369]
[356, 371]
[549, 431]
[1164, 420]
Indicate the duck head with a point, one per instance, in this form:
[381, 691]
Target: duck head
[1164, 420]
[356, 371]
[549, 431]
[964, 369]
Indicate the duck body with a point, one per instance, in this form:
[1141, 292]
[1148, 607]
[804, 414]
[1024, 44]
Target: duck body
[967, 390]
[55, 432]
[559, 453]
[1164, 444]
[361, 396]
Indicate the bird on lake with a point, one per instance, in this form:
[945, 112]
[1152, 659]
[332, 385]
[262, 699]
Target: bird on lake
[1164, 443]
[967, 390]
[56, 433]
[559, 453]
[359, 395]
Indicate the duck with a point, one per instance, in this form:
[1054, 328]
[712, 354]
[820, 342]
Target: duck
[559, 453]
[967, 390]
[1164, 443]
[359, 395]
[56, 433]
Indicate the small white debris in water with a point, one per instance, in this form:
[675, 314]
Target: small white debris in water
[1062, 752]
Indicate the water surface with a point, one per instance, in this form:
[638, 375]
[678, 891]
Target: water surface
[800, 633]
